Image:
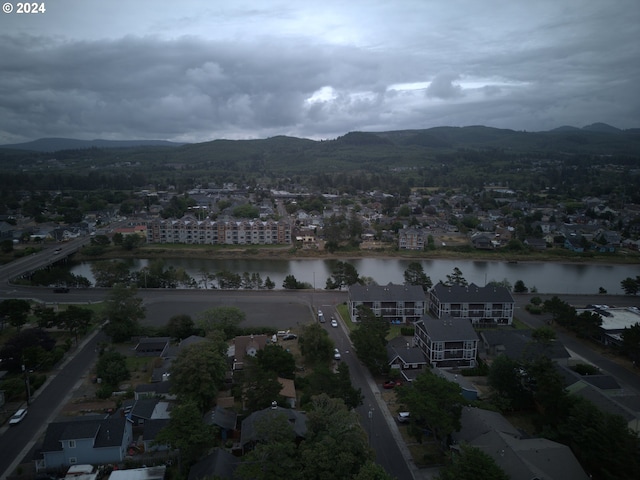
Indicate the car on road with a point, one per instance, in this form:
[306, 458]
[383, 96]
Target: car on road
[18, 416]
[336, 354]
[61, 290]
[403, 417]
[334, 323]
[391, 384]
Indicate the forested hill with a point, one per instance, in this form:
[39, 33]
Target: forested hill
[465, 150]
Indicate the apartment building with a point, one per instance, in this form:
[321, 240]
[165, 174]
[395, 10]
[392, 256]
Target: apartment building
[398, 304]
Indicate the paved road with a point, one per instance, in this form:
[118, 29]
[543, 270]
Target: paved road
[18, 441]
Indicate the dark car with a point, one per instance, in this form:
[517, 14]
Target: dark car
[290, 336]
[61, 290]
[391, 384]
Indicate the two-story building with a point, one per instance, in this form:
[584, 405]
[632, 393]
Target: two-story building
[490, 305]
[94, 440]
[398, 304]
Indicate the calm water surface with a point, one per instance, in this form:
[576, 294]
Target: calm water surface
[545, 277]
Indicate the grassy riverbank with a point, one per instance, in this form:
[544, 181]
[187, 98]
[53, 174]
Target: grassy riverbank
[559, 255]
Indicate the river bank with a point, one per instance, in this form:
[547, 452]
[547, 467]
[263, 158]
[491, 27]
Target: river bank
[292, 253]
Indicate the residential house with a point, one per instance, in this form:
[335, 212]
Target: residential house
[405, 356]
[490, 305]
[288, 391]
[245, 345]
[535, 243]
[91, 440]
[219, 464]
[520, 458]
[150, 432]
[223, 418]
[482, 241]
[520, 345]
[145, 409]
[447, 342]
[249, 434]
[467, 389]
[152, 346]
[398, 304]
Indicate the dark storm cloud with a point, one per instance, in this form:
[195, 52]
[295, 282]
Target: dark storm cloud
[249, 69]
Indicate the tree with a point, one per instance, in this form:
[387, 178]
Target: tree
[260, 387]
[275, 453]
[274, 358]
[123, 310]
[76, 319]
[467, 465]
[180, 326]
[198, 372]
[226, 320]
[456, 278]
[414, 275]
[112, 368]
[372, 471]
[315, 344]
[631, 343]
[631, 286]
[369, 340]
[187, 432]
[335, 446]
[131, 242]
[434, 403]
[25, 348]
[505, 377]
[269, 284]
[16, 310]
[47, 317]
[290, 283]
[343, 275]
[107, 273]
[520, 287]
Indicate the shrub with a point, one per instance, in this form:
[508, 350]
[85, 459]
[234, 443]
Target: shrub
[407, 331]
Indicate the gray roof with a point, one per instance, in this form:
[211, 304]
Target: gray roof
[387, 293]
[520, 345]
[106, 431]
[143, 407]
[448, 329]
[471, 294]
[152, 428]
[400, 347]
[221, 417]
[298, 421]
[520, 458]
[219, 464]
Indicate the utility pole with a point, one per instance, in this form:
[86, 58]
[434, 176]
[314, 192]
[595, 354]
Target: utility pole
[26, 383]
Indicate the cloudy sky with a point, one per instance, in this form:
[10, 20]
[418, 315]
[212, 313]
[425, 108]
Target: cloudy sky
[197, 70]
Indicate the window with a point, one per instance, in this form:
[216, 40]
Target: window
[73, 460]
[72, 444]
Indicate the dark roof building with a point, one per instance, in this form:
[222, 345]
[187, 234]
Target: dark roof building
[398, 304]
[447, 342]
[491, 304]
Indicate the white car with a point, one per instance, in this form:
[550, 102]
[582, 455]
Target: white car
[18, 416]
[334, 323]
[403, 417]
[336, 354]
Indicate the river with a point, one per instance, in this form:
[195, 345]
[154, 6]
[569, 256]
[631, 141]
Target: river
[545, 277]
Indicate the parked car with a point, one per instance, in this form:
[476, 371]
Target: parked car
[403, 417]
[290, 336]
[391, 384]
[18, 416]
[336, 354]
[334, 323]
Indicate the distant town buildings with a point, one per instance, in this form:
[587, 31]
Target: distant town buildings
[190, 230]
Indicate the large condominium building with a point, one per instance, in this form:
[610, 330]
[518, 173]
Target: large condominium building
[188, 229]
[398, 304]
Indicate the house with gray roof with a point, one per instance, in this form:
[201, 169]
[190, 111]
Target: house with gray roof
[406, 357]
[398, 304]
[250, 431]
[447, 342]
[91, 440]
[489, 305]
[520, 458]
[520, 345]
